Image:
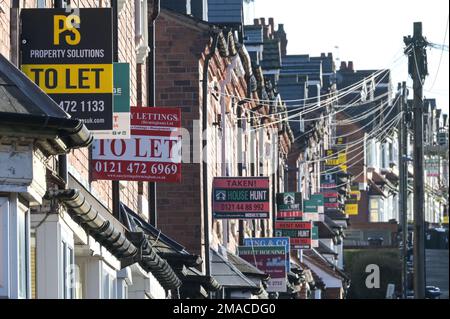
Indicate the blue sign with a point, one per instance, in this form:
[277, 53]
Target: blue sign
[272, 241]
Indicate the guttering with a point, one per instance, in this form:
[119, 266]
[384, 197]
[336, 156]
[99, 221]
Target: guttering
[102, 230]
[115, 240]
[212, 51]
[72, 132]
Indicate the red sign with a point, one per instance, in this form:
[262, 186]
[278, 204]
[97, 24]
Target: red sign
[152, 154]
[269, 259]
[241, 197]
[300, 233]
[293, 225]
[295, 214]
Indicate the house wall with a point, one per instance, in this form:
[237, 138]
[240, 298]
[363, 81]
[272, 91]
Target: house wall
[182, 46]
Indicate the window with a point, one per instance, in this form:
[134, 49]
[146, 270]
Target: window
[68, 271]
[109, 283]
[41, 3]
[376, 208]
[22, 251]
[33, 264]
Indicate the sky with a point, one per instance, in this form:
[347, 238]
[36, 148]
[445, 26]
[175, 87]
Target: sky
[369, 33]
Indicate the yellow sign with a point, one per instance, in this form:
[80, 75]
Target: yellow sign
[445, 220]
[62, 24]
[71, 78]
[357, 194]
[351, 209]
[340, 159]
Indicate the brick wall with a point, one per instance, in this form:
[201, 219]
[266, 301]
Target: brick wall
[356, 158]
[178, 53]
[181, 47]
[332, 293]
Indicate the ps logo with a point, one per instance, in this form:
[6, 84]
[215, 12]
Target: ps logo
[66, 25]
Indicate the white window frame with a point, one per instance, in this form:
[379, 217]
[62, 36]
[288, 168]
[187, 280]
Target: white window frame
[10, 225]
[109, 282]
[67, 265]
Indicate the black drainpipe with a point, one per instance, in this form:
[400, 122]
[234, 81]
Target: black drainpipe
[240, 167]
[62, 159]
[211, 53]
[151, 71]
[115, 28]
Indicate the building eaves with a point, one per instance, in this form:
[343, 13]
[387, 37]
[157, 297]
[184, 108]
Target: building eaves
[25, 110]
[228, 275]
[188, 21]
[325, 250]
[128, 247]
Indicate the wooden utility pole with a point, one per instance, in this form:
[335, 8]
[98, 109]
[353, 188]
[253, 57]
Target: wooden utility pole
[417, 68]
[403, 182]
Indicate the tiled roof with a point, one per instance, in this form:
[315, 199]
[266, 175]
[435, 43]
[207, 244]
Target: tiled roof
[225, 11]
[228, 275]
[271, 54]
[253, 34]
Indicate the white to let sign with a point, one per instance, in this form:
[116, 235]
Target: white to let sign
[153, 153]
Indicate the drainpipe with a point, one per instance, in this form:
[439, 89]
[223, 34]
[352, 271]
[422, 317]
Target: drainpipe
[240, 165]
[62, 159]
[115, 184]
[151, 71]
[223, 124]
[205, 81]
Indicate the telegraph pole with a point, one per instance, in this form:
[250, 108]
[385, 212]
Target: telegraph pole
[403, 183]
[417, 68]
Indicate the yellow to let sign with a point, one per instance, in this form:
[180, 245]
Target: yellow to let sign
[357, 194]
[341, 159]
[351, 209]
[71, 78]
[445, 220]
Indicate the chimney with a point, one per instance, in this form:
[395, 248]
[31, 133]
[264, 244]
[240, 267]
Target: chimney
[350, 66]
[280, 34]
[322, 55]
[255, 21]
[263, 21]
[183, 7]
[444, 117]
[330, 55]
[272, 25]
[343, 66]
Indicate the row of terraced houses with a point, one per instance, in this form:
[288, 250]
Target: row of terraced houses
[248, 109]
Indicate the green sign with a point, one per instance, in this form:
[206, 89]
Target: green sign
[289, 201]
[315, 232]
[121, 104]
[318, 199]
[309, 206]
[121, 87]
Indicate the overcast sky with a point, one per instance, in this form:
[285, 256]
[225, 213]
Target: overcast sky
[369, 33]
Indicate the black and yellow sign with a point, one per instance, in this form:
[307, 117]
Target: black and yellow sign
[69, 56]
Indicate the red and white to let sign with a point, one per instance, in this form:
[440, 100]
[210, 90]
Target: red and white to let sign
[152, 154]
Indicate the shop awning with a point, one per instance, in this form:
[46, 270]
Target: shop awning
[127, 247]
